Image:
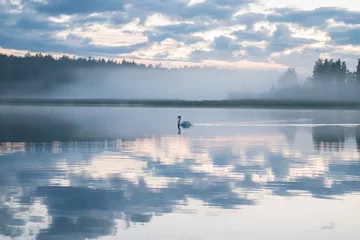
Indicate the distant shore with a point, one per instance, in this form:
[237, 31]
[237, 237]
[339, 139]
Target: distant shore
[244, 103]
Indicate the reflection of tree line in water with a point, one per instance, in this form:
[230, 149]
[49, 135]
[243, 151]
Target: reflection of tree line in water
[332, 138]
[70, 146]
[64, 138]
[327, 138]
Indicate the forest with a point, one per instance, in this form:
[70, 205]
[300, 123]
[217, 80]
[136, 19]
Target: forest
[330, 80]
[39, 73]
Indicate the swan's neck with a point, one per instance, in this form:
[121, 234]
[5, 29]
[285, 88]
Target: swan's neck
[179, 121]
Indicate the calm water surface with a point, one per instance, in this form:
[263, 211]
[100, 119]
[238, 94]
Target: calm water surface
[127, 173]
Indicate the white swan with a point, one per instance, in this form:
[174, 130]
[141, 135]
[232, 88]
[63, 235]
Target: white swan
[184, 124]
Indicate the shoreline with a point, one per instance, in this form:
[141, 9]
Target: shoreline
[244, 103]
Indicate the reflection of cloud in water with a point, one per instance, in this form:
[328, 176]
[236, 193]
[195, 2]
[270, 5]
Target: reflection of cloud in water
[87, 186]
[22, 219]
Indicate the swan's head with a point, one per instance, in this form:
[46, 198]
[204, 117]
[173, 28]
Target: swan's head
[179, 117]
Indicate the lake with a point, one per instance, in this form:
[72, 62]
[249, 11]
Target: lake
[128, 173]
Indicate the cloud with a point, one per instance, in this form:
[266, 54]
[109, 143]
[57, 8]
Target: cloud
[207, 10]
[47, 43]
[238, 29]
[231, 3]
[162, 55]
[345, 36]
[24, 22]
[78, 39]
[257, 54]
[31, 23]
[314, 18]
[249, 19]
[251, 35]
[282, 39]
[179, 32]
[225, 44]
[107, 20]
[86, 21]
[120, 18]
[222, 48]
[29, 31]
[211, 10]
[159, 37]
[69, 7]
[228, 49]
[183, 28]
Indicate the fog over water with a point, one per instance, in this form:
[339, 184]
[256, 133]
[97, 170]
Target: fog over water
[140, 83]
[145, 84]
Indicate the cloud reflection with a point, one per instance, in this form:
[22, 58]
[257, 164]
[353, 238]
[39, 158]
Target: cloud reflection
[81, 189]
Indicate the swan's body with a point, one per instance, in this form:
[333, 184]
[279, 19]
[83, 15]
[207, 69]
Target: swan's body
[184, 124]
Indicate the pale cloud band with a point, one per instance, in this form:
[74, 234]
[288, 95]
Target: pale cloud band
[272, 33]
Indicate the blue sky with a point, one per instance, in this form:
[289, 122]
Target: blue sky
[249, 34]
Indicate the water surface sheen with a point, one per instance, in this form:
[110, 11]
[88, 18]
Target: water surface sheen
[128, 173]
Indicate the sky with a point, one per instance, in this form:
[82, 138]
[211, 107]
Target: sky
[251, 34]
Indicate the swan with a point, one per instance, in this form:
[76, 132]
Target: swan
[184, 124]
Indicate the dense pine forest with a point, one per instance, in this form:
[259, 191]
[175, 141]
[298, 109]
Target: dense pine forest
[44, 72]
[331, 80]
[40, 73]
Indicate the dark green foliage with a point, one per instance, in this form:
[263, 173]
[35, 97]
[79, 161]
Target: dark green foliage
[36, 73]
[329, 72]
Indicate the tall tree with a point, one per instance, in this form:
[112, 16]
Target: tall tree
[318, 71]
[342, 73]
[358, 72]
[288, 79]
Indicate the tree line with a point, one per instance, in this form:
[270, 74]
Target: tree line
[39, 72]
[43, 72]
[330, 80]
